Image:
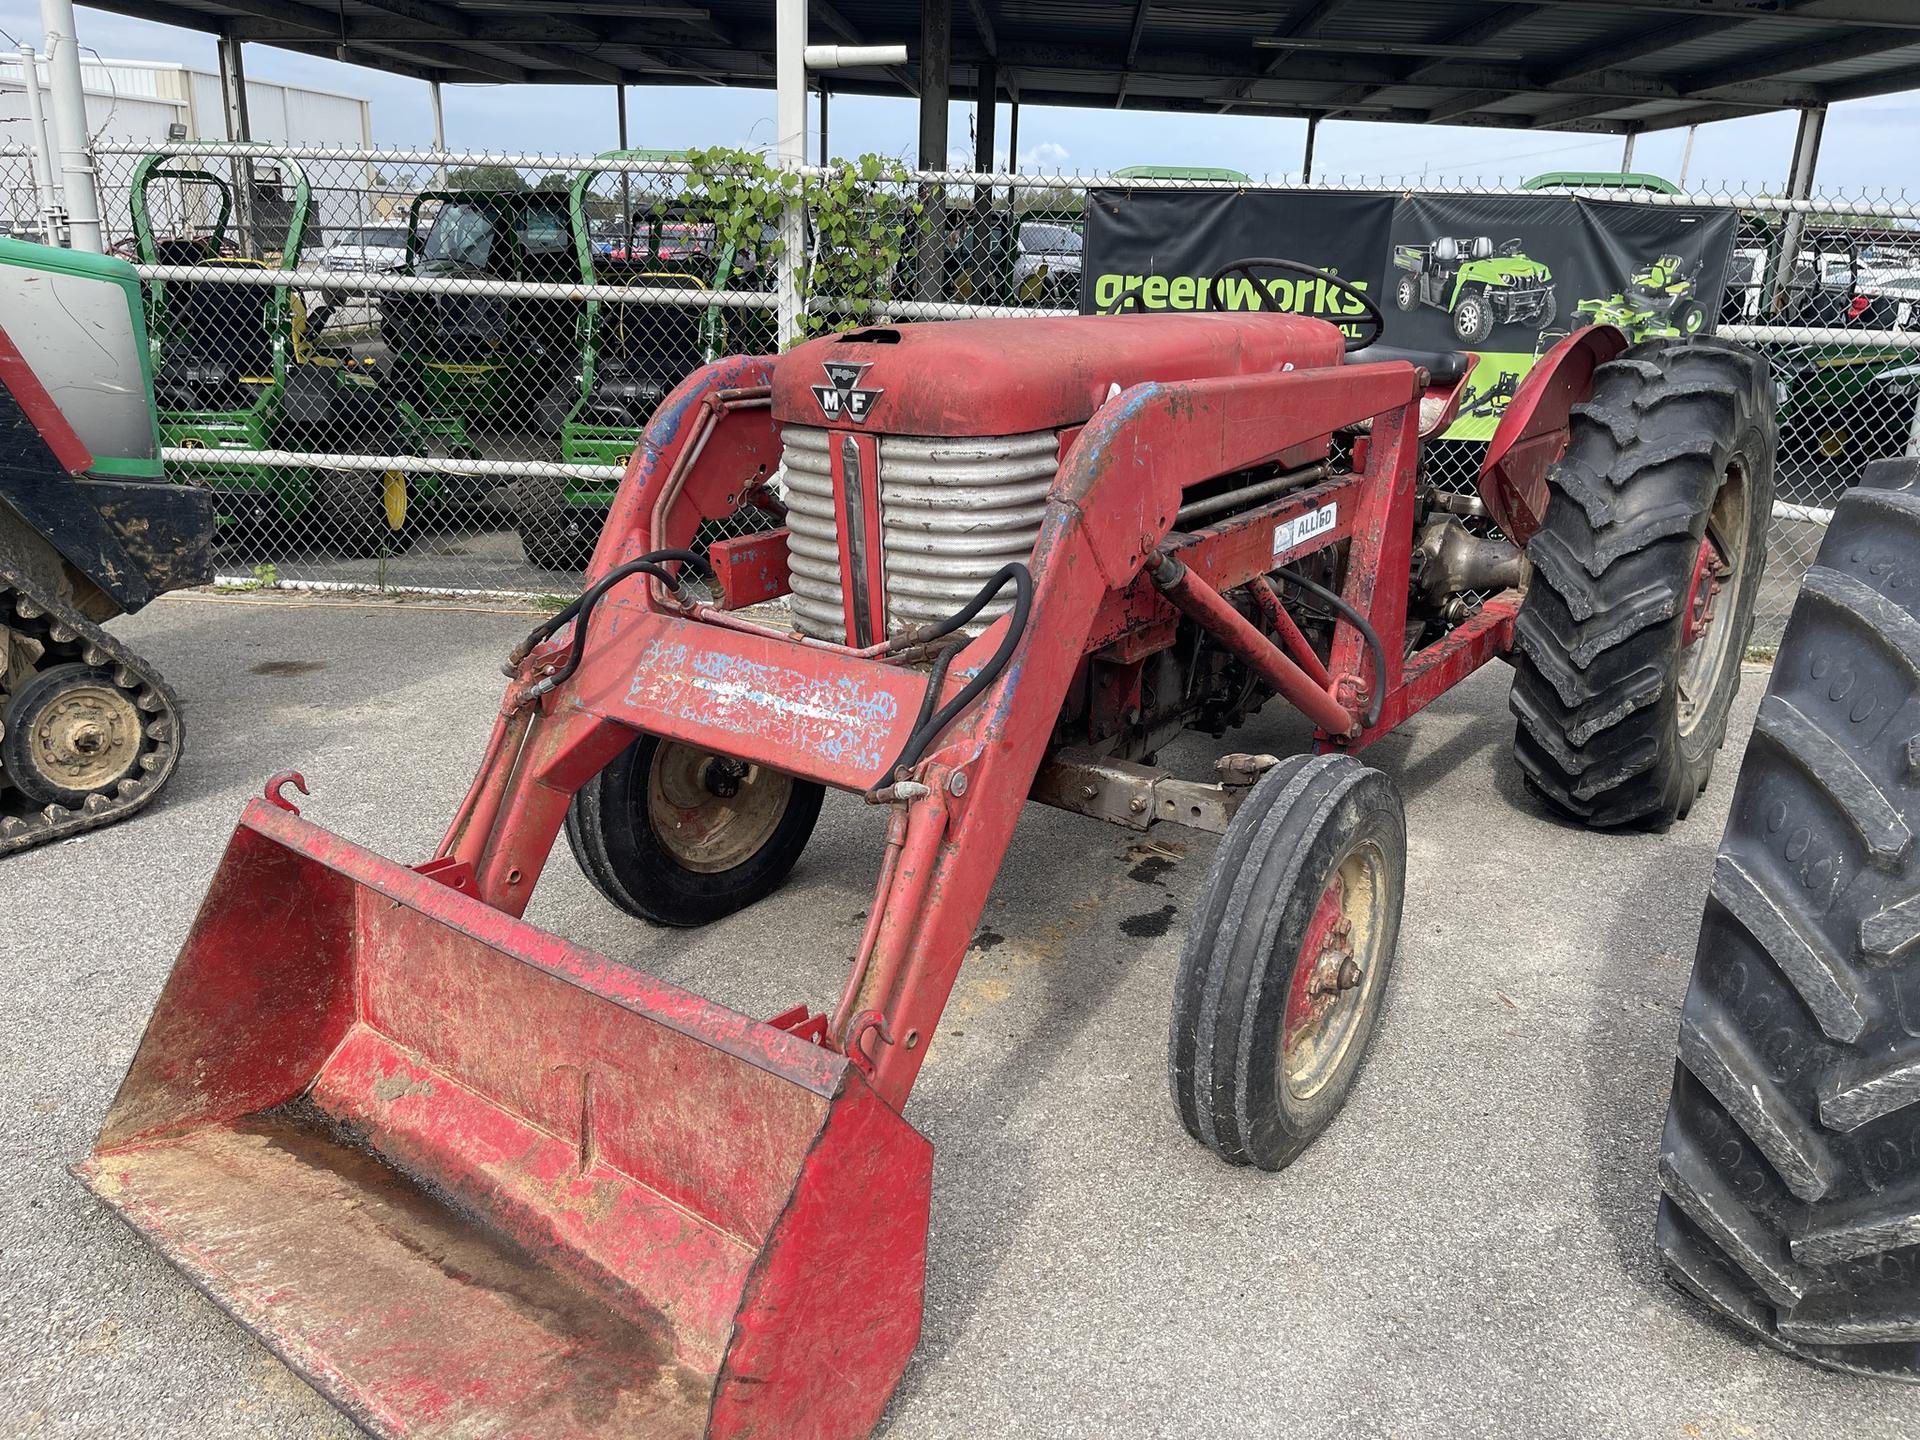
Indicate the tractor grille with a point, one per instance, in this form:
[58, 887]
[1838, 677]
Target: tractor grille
[952, 511]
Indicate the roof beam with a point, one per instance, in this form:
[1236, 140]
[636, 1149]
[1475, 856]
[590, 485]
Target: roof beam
[983, 22]
[287, 12]
[1133, 50]
[563, 58]
[1494, 23]
[1865, 87]
[1646, 42]
[1793, 57]
[1299, 27]
[1466, 102]
[1884, 14]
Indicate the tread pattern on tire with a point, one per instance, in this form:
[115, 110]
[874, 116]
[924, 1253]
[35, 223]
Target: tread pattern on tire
[1790, 1162]
[1597, 641]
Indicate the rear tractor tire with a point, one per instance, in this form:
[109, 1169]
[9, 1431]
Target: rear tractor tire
[360, 514]
[554, 535]
[678, 836]
[1644, 574]
[1790, 1162]
[1287, 961]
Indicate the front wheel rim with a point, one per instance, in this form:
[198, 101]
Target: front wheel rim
[1715, 587]
[713, 813]
[1337, 972]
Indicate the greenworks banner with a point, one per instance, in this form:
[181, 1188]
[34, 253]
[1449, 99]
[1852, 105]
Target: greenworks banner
[1504, 276]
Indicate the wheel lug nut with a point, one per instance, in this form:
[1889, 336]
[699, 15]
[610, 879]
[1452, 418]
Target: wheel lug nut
[1350, 975]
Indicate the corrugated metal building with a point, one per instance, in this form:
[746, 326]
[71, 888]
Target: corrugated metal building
[135, 102]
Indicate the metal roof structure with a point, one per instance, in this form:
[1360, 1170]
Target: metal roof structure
[1608, 66]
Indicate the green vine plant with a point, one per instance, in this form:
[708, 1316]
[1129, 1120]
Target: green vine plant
[858, 215]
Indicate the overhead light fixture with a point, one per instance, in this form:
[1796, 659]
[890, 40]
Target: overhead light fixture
[1386, 47]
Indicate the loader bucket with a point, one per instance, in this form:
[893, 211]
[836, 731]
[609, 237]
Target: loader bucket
[470, 1180]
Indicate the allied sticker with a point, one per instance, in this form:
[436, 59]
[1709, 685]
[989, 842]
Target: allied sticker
[1292, 534]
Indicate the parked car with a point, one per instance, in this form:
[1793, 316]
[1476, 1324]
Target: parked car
[366, 250]
[1047, 269]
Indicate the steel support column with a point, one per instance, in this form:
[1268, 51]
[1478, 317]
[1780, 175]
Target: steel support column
[1306, 155]
[1806, 158]
[936, 58]
[233, 92]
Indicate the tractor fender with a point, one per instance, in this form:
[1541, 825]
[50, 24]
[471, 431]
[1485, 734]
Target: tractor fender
[1533, 431]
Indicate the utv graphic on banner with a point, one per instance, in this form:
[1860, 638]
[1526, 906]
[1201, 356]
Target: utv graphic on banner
[1504, 276]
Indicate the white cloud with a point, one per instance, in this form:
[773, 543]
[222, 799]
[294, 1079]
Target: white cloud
[1044, 156]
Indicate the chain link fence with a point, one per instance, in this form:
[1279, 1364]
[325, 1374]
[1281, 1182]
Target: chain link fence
[413, 370]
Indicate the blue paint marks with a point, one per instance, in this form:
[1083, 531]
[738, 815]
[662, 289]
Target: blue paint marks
[839, 718]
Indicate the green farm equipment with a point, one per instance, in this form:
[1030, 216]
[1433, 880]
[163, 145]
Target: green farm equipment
[462, 359]
[1478, 284]
[626, 354]
[1658, 303]
[239, 363]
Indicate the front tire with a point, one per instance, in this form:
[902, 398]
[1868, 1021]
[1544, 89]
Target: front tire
[1789, 1175]
[681, 837]
[1287, 960]
[1645, 572]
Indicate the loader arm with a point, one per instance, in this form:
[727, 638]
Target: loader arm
[839, 715]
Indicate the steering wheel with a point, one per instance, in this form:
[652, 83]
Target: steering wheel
[1245, 268]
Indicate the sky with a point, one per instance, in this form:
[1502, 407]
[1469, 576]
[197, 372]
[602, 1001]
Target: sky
[1868, 147]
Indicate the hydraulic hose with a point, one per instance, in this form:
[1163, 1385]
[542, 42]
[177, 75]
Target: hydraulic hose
[581, 610]
[1367, 633]
[927, 726]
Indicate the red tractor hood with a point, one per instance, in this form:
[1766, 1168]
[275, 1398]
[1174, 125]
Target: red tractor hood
[1013, 377]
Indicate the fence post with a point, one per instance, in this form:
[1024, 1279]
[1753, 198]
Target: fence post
[790, 132]
[70, 126]
[46, 197]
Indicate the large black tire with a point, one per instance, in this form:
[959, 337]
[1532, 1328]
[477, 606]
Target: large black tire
[1619, 718]
[350, 516]
[1790, 1164]
[554, 535]
[1406, 293]
[618, 829]
[1249, 1084]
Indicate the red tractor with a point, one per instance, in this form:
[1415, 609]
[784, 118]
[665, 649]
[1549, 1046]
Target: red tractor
[470, 1179]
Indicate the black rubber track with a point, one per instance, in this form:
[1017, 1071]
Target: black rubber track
[1597, 643]
[1790, 1164]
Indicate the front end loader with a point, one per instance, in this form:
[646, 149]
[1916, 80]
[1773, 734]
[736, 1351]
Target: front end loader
[471, 1180]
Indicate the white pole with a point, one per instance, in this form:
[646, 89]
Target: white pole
[70, 125]
[1626, 154]
[1686, 156]
[46, 197]
[439, 133]
[790, 152]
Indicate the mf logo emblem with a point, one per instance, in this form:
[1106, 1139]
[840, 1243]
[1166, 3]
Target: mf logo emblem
[841, 398]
